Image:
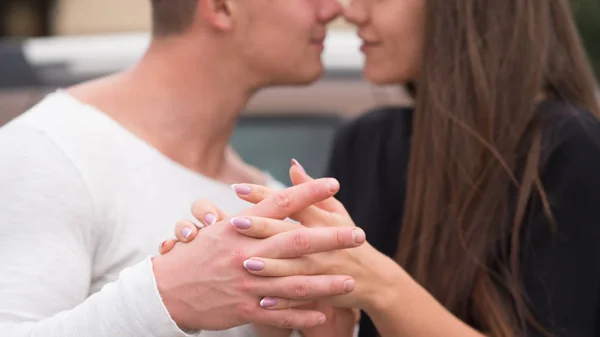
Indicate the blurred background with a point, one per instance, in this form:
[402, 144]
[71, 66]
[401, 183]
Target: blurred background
[46, 44]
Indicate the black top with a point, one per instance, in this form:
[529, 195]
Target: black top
[561, 272]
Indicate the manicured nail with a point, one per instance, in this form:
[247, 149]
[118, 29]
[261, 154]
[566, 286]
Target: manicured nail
[334, 185]
[349, 285]
[254, 265]
[241, 223]
[297, 163]
[268, 302]
[210, 219]
[186, 232]
[241, 189]
[358, 235]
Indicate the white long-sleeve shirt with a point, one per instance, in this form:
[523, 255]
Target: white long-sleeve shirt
[83, 205]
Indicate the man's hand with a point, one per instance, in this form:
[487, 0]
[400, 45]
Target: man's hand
[205, 286]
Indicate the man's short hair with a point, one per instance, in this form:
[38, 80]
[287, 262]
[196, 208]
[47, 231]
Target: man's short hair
[172, 16]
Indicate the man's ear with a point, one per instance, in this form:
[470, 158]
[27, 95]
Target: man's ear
[218, 13]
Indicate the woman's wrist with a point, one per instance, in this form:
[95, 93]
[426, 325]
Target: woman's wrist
[407, 309]
[384, 284]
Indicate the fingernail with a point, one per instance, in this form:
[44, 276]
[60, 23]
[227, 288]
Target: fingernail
[297, 163]
[254, 265]
[334, 185]
[241, 189]
[321, 320]
[358, 235]
[210, 219]
[268, 302]
[241, 223]
[186, 232]
[162, 244]
[349, 285]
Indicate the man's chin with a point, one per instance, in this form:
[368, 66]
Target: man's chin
[298, 81]
[306, 77]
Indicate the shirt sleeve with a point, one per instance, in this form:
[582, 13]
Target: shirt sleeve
[561, 268]
[47, 242]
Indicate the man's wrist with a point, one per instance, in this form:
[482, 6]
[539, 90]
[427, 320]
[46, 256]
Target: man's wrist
[163, 275]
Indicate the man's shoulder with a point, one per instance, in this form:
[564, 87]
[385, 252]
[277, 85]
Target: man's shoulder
[58, 133]
[57, 113]
[75, 128]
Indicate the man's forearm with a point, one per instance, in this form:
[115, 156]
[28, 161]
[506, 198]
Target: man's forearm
[129, 307]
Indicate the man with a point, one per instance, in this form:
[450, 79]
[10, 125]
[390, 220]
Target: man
[94, 175]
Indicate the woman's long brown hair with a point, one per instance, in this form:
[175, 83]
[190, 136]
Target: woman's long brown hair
[485, 64]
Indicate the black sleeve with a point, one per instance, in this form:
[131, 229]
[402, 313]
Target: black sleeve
[368, 153]
[340, 158]
[561, 269]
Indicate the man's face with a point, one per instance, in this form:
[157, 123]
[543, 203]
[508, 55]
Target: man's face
[281, 41]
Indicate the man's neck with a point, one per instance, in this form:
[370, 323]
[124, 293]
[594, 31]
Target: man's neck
[185, 107]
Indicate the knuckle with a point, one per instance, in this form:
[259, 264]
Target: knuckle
[282, 199]
[313, 191]
[238, 258]
[286, 322]
[301, 290]
[301, 240]
[245, 285]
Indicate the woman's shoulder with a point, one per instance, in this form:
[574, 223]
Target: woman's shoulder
[370, 150]
[572, 134]
[570, 167]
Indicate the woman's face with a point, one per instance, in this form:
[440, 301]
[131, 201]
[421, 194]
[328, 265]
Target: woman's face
[392, 34]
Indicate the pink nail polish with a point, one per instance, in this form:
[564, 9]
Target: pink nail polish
[241, 223]
[242, 189]
[186, 232]
[254, 265]
[210, 219]
[268, 302]
[297, 163]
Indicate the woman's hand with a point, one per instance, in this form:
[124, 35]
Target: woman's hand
[341, 322]
[373, 271]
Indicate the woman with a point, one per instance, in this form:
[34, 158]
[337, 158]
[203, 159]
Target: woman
[486, 196]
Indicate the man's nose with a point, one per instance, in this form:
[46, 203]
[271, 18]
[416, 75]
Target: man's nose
[329, 10]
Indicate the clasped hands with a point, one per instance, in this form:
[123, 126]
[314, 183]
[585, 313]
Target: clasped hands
[323, 247]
